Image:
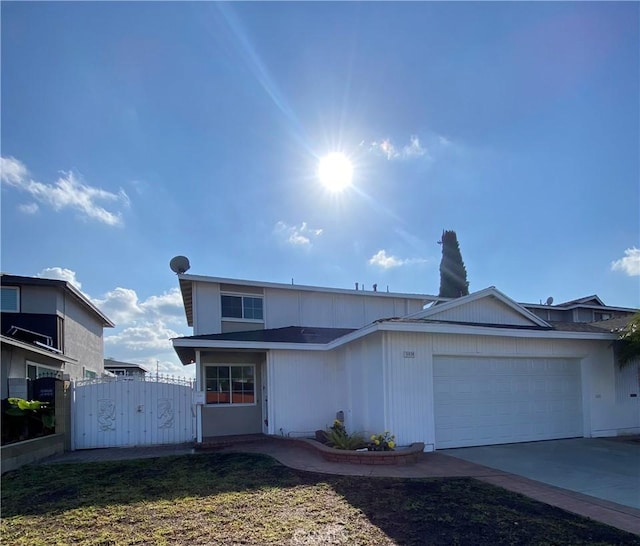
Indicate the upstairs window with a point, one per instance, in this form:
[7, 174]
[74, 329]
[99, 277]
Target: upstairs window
[10, 299]
[242, 307]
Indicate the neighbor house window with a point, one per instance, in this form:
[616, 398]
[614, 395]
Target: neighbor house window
[10, 299]
[35, 371]
[241, 307]
[227, 384]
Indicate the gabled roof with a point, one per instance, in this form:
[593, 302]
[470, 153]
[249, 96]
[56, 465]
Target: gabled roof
[588, 300]
[17, 280]
[510, 312]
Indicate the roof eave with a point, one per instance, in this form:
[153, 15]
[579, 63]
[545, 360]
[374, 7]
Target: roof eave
[34, 349]
[436, 328]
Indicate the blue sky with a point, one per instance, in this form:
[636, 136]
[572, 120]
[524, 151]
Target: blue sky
[132, 132]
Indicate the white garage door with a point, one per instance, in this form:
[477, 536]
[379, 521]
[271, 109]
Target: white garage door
[483, 401]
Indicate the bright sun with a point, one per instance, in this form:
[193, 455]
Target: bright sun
[335, 172]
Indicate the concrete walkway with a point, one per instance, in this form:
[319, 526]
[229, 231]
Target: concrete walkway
[432, 465]
[600, 467]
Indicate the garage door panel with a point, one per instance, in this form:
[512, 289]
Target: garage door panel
[483, 401]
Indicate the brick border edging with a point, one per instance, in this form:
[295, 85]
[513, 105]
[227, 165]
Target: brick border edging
[404, 456]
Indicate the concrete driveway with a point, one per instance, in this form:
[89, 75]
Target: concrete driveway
[608, 469]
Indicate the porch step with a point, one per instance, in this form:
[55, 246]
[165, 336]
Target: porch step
[219, 442]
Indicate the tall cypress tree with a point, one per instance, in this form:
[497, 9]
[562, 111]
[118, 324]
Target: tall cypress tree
[453, 274]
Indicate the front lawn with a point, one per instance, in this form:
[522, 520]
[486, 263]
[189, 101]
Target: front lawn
[252, 499]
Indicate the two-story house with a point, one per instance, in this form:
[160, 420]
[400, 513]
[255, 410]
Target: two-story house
[48, 327]
[477, 370]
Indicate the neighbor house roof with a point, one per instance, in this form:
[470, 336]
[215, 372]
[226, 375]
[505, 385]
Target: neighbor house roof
[110, 363]
[17, 280]
[592, 300]
[612, 325]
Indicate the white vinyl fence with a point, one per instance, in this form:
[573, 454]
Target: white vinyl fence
[131, 411]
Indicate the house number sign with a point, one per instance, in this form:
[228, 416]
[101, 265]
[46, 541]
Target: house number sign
[409, 354]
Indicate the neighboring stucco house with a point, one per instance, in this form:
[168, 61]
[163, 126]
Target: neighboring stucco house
[477, 370]
[118, 367]
[48, 327]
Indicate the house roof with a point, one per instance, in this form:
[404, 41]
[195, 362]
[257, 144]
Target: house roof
[323, 339]
[592, 300]
[17, 280]
[612, 325]
[186, 281]
[289, 334]
[516, 310]
[588, 302]
[110, 363]
[552, 326]
[307, 337]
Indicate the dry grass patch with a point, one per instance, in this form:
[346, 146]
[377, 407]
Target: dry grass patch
[252, 499]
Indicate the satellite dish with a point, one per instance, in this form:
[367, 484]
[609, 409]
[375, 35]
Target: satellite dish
[179, 264]
[549, 300]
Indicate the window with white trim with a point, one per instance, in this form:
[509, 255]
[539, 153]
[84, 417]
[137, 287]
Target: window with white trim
[242, 307]
[230, 384]
[10, 299]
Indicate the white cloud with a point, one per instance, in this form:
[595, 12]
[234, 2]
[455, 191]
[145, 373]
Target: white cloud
[60, 273]
[296, 235]
[147, 336]
[123, 306]
[12, 171]
[630, 264]
[29, 208]
[411, 150]
[67, 193]
[381, 259]
[416, 148]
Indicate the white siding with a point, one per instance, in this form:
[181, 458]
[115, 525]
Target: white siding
[329, 310]
[409, 403]
[487, 310]
[316, 309]
[282, 308]
[627, 403]
[409, 415]
[306, 389]
[363, 363]
[206, 308]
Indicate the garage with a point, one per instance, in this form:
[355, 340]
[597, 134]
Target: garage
[484, 401]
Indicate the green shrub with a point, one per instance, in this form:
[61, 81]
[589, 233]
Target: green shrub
[339, 438]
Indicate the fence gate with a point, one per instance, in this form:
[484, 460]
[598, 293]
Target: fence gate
[131, 411]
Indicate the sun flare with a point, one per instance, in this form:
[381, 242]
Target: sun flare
[335, 171]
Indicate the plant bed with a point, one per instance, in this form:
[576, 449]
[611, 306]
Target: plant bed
[405, 455]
